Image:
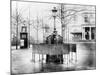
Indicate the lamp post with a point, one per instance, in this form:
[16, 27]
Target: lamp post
[29, 27]
[54, 11]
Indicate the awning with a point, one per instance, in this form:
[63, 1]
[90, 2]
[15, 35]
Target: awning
[76, 33]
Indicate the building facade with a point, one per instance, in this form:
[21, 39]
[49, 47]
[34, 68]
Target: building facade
[82, 28]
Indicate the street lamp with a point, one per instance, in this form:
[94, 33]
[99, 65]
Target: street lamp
[54, 11]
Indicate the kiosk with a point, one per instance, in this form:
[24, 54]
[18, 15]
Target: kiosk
[23, 38]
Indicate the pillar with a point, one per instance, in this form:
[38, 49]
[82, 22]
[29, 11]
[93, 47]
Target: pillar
[83, 33]
[90, 33]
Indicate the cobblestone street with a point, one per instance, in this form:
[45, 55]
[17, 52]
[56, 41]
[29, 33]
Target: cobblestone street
[22, 61]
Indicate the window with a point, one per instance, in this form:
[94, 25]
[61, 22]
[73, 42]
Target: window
[87, 29]
[93, 33]
[86, 19]
[90, 33]
[24, 29]
[23, 36]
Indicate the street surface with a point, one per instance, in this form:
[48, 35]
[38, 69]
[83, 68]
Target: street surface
[22, 60]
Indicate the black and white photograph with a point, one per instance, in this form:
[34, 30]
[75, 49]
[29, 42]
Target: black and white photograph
[52, 37]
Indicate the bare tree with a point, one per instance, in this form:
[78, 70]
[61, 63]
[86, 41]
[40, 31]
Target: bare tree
[39, 24]
[16, 21]
[66, 16]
